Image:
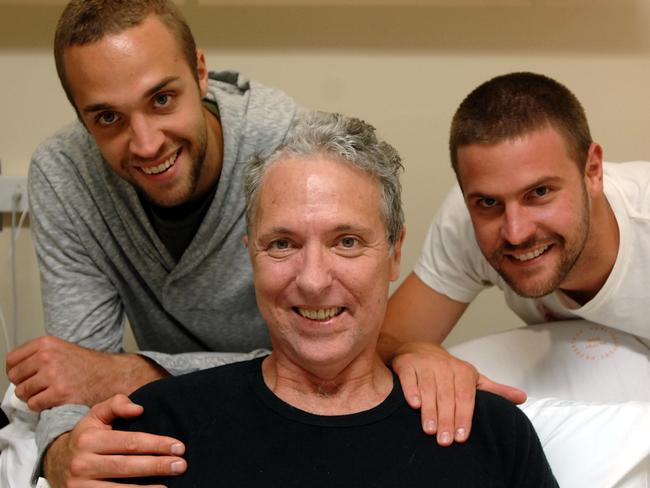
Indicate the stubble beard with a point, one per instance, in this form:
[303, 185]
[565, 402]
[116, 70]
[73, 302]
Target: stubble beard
[187, 193]
[570, 254]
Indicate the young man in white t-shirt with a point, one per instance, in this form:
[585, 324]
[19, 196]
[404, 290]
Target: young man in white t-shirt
[535, 212]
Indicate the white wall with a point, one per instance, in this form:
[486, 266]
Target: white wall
[403, 69]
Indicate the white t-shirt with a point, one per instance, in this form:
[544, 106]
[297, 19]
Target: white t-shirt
[452, 263]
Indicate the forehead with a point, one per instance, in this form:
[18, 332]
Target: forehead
[515, 164]
[306, 190]
[132, 60]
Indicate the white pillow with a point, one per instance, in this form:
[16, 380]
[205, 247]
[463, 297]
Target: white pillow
[572, 360]
[598, 433]
[594, 445]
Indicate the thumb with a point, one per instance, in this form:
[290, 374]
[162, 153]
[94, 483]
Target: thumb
[118, 406]
[515, 395]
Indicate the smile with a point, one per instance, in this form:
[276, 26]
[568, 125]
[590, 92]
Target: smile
[530, 255]
[320, 314]
[154, 170]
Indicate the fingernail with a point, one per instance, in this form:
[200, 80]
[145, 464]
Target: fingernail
[178, 449]
[460, 434]
[178, 466]
[430, 426]
[444, 437]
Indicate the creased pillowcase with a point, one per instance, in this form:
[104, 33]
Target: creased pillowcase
[593, 444]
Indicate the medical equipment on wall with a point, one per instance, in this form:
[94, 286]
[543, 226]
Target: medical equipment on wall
[13, 200]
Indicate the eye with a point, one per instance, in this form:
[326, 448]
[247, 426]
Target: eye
[541, 191]
[106, 118]
[162, 100]
[280, 248]
[487, 202]
[280, 245]
[349, 242]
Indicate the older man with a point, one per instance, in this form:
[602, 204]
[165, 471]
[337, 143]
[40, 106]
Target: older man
[325, 230]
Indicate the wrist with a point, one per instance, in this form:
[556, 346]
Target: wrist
[54, 457]
[140, 371]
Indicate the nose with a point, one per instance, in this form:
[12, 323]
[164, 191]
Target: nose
[517, 226]
[146, 138]
[315, 274]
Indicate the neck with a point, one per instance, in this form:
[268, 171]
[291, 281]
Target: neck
[597, 259]
[360, 386]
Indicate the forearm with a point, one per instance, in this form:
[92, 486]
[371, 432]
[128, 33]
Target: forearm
[417, 313]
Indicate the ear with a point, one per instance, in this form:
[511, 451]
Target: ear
[202, 72]
[396, 256]
[594, 170]
[245, 239]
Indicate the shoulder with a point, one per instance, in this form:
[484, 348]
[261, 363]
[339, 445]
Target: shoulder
[627, 169]
[256, 115]
[451, 261]
[72, 142]
[628, 182]
[196, 386]
[181, 405]
[226, 378]
[499, 417]
[236, 93]
[61, 158]
[452, 217]
[506, 427]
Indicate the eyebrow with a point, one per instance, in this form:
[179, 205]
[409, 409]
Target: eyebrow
[98, 107]
[280, 230]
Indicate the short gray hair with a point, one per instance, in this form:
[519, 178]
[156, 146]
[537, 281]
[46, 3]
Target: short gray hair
[348, 140]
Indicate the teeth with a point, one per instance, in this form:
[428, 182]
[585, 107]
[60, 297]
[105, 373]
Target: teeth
[530, 255]
[321, 313]
[161, 167]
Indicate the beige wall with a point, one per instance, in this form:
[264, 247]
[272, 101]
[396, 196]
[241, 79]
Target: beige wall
[403, 69]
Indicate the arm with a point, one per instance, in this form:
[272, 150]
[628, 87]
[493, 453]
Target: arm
[81, 304]
[417, 320]
[50, 372]
[417, 312]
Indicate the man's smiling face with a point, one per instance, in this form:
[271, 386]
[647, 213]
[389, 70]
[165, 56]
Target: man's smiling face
[529, 207]
[136, 94]
[322, 261]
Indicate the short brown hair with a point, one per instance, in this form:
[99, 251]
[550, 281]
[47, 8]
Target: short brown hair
[514, 104]
[86, 21]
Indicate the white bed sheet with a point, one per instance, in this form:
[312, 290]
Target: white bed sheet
[17, 445]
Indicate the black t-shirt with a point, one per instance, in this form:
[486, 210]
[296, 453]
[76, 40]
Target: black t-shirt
[239, 434]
